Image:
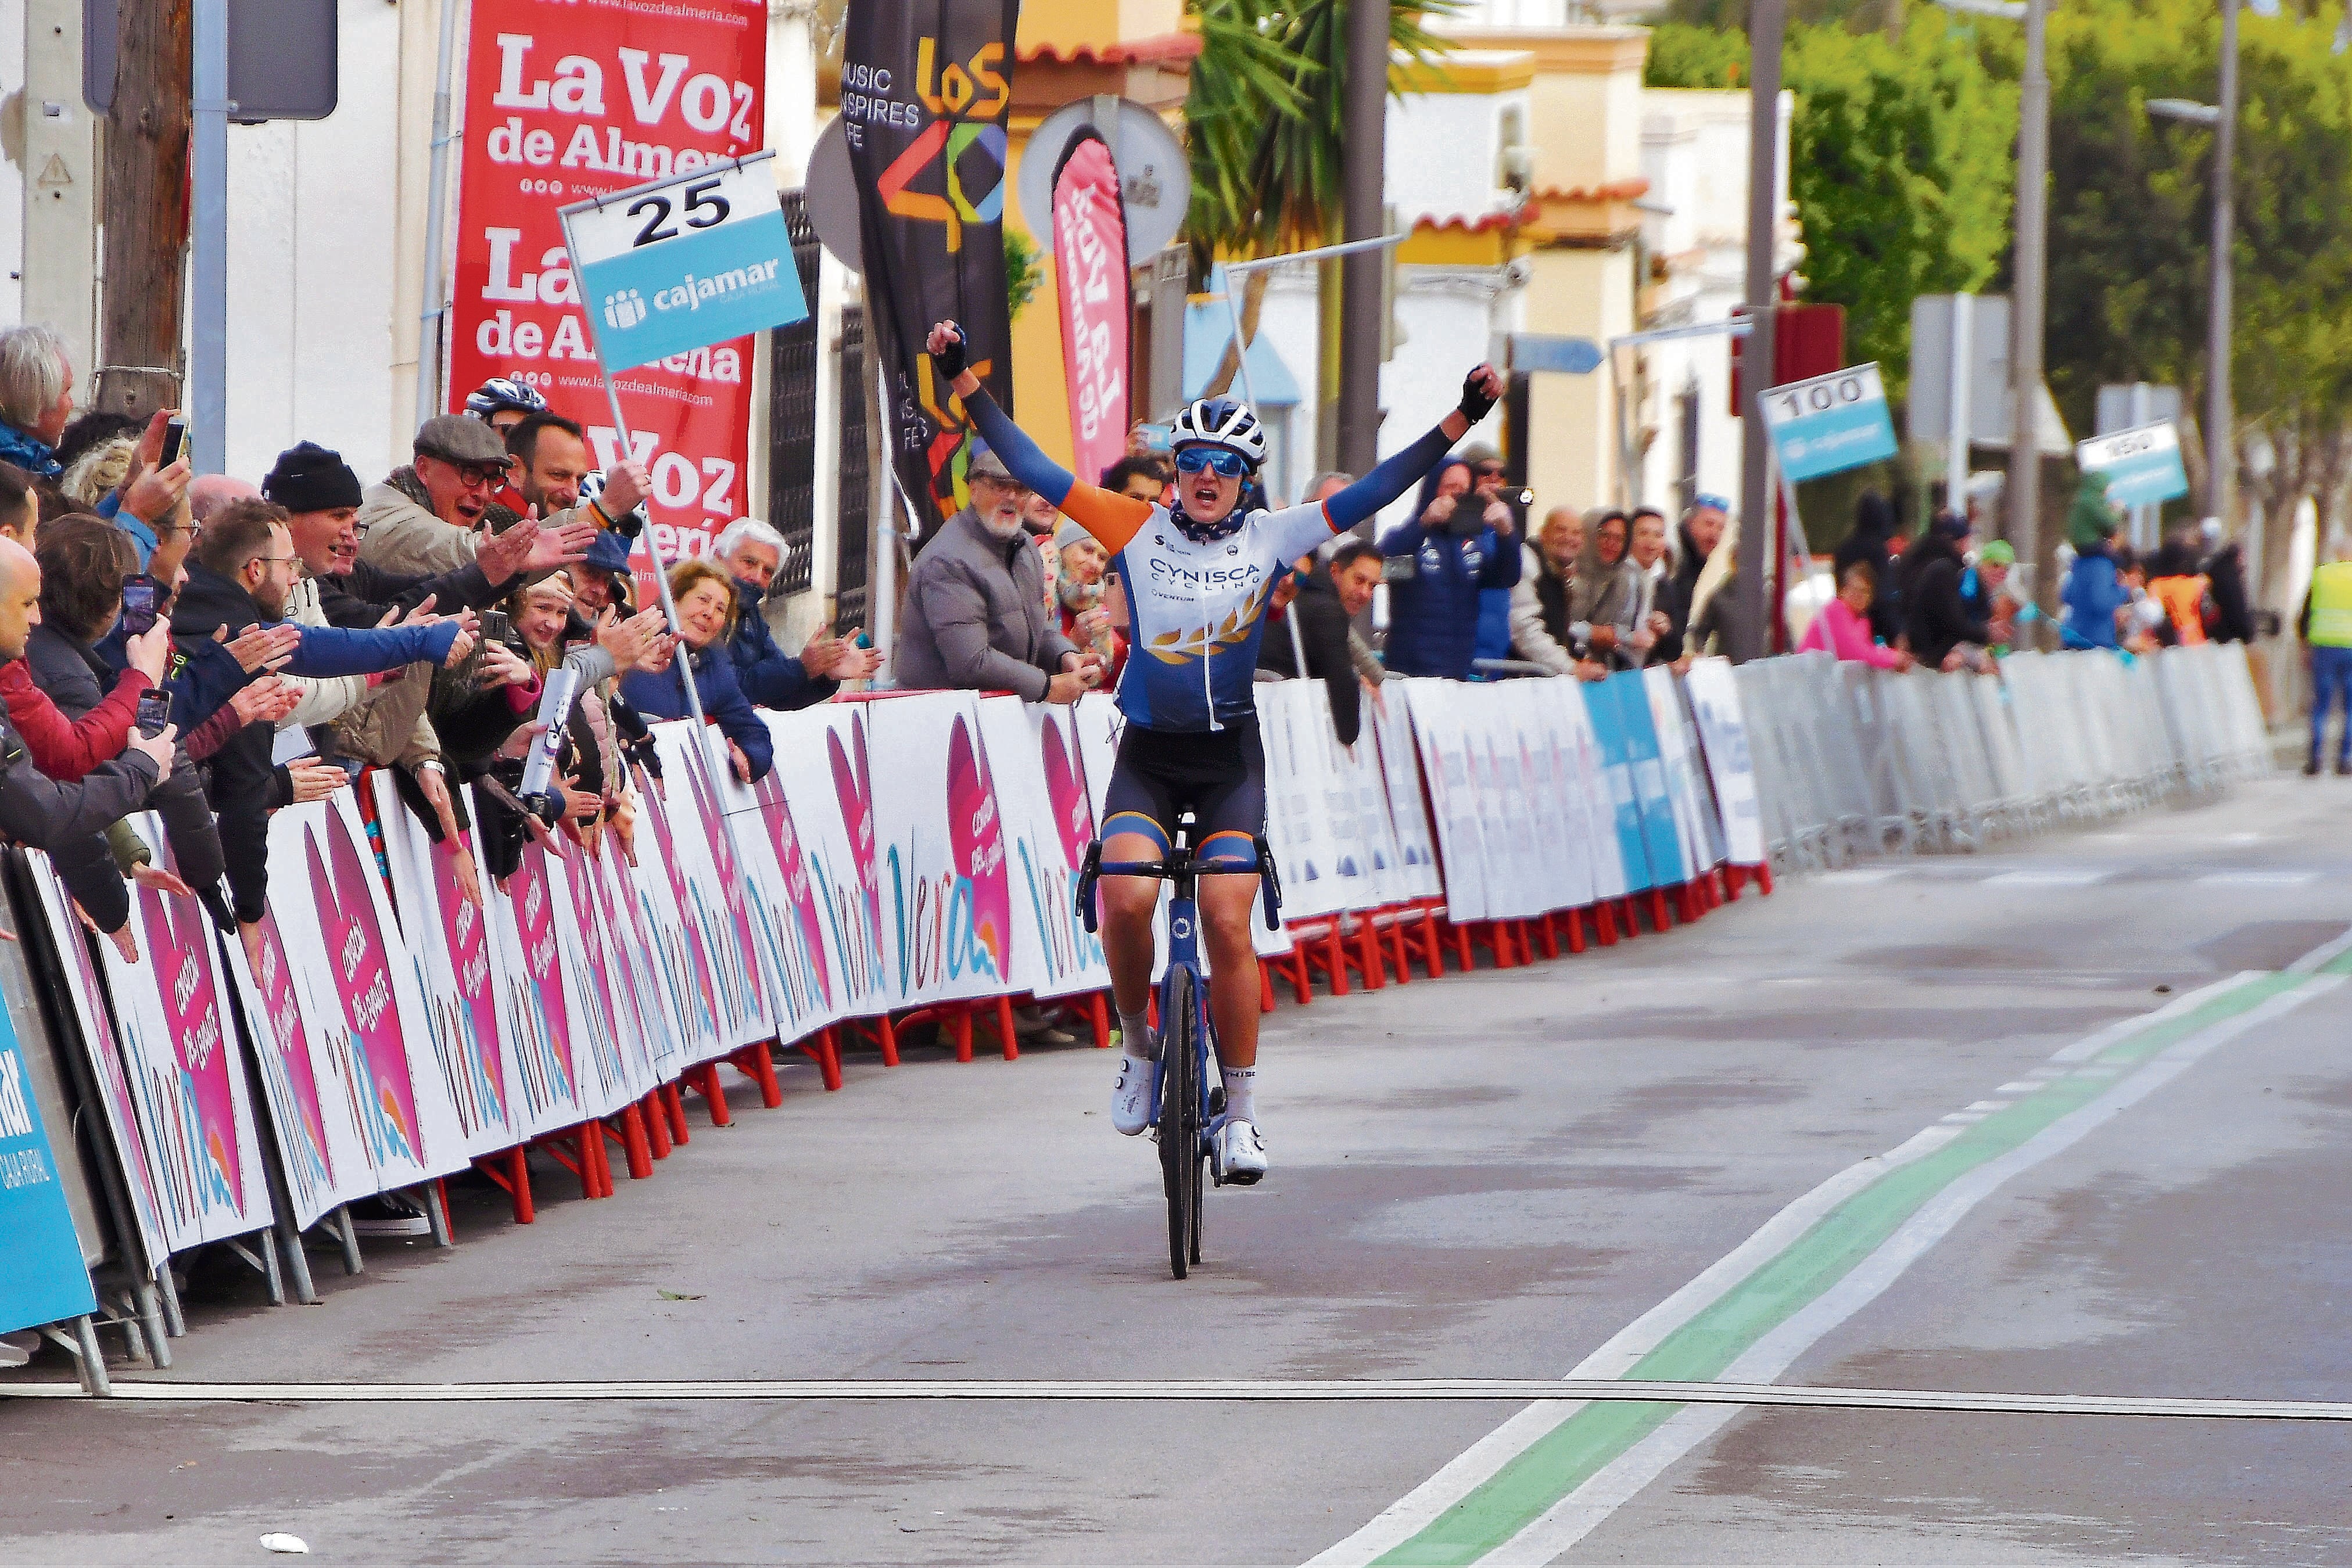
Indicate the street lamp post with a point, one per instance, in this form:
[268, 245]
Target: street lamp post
[2221, 465]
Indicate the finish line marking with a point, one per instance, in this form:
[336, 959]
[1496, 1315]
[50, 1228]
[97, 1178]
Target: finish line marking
[1183, 1390]
[1541, 1481]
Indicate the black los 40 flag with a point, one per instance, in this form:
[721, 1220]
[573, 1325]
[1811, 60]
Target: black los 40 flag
[925, 88]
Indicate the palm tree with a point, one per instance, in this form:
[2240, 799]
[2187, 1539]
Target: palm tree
[1265, 121]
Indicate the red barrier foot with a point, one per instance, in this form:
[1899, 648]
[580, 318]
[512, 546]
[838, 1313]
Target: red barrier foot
[704, 1080]
[1549, 926]
[1097, 1007]
[1005, 1038]
[672, 1099]
[1264, 990]
[1659, 919]
[657, 1125]
[758, 1063]
[631, 1135]
[1575, 918]
[1764, 878]
[1604, 924]
[510, 1170]
[824, 1050]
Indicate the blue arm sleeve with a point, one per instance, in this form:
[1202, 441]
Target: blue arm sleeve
[1019, 453]
[1384, 483]
[337, 651]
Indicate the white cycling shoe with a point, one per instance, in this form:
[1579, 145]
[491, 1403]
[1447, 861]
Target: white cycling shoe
[1130, 1097]
[1239, 1152]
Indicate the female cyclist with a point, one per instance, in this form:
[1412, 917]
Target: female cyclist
[1196, 576]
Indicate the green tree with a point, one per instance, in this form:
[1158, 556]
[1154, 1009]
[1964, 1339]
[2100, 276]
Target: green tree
[2131, 219]
[1265, 127]
[1899, 163]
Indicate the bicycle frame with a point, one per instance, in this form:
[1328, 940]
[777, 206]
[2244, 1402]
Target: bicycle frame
[1195, 1106]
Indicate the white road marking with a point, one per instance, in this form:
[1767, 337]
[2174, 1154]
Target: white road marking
[2257, 878]
[2048, 878]
[1458, 1390]
[1569, 1521]
[1409, 1515]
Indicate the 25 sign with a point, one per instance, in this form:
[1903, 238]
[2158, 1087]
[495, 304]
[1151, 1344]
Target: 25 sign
[705, 209]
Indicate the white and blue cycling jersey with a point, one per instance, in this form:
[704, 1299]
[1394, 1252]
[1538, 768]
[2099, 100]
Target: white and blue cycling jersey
[1196, 598]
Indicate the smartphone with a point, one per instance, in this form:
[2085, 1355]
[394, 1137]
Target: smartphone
[140, 597]
[1156, 437]
[497, 627]
[155, 711]
[175, 437]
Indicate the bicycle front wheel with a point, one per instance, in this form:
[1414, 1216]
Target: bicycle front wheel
[1179, 1112]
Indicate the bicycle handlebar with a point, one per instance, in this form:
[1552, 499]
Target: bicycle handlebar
[1095, 867]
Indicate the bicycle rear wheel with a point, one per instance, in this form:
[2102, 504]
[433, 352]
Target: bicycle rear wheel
[1179, 1112]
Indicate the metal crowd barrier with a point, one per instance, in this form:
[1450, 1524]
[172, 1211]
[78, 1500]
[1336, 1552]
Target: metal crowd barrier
[1852, 761]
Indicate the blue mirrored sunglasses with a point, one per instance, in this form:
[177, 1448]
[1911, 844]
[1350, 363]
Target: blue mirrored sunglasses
[1230, 463]
[1704, 499]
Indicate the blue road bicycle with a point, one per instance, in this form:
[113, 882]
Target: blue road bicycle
[1187, 1097]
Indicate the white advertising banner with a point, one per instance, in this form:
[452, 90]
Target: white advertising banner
[1723, 733]
[683, 812]
[183, 1065]
[1048, 820]
[1437, 715]
[348, 1045]
[1388, 726]
[447, 941]
[947, 893]
[822, 772]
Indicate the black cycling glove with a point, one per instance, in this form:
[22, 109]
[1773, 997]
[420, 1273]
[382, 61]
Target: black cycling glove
[951, 360]
[1476, 404]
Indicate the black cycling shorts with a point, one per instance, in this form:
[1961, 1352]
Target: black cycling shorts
[1218, 774]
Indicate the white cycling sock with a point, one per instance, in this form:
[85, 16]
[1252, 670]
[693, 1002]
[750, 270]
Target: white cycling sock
[1135, 1034]
[1240, 1092]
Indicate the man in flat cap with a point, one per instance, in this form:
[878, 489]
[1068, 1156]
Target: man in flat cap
[426, 518]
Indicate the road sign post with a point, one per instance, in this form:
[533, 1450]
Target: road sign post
[2142, 466]
[676, 265]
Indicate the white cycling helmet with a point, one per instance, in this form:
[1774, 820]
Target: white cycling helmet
[1221, 422]
[499, 394]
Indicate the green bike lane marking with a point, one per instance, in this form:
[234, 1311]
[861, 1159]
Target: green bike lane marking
[1561, 1461]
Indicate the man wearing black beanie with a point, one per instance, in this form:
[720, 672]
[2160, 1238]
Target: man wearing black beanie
[319, 488]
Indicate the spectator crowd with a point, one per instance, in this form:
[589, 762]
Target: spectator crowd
[214, 648]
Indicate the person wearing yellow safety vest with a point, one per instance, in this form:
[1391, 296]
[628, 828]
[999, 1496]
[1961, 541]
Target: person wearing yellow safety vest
[2326, 628]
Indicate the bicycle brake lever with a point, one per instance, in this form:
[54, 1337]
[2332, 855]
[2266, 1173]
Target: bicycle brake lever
[1087, 874]
[1270, 890]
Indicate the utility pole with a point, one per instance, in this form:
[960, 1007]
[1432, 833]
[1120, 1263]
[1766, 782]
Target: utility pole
[1363, 177]
[207, 400]
[1767, 22]
[2029, 269]
[145, 208]
[2221, 462]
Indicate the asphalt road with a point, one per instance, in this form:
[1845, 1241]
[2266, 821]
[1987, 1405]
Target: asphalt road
[1505, 1175]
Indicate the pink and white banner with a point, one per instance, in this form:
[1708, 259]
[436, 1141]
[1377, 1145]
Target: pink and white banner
[183, 1064]
[1091, 279]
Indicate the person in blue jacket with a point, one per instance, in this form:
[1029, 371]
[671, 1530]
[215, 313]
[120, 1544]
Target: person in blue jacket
[706, 606]
[239, 576]
[2094, 591]
[1439, 563]
[752, 551]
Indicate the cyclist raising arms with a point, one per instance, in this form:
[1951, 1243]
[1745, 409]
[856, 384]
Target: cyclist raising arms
[1196, 577]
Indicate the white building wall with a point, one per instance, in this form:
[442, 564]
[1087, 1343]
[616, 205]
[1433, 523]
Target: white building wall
[1695, 155]
[313, 263]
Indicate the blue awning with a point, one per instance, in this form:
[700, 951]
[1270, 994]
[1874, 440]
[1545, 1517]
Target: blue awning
[1209, 331]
